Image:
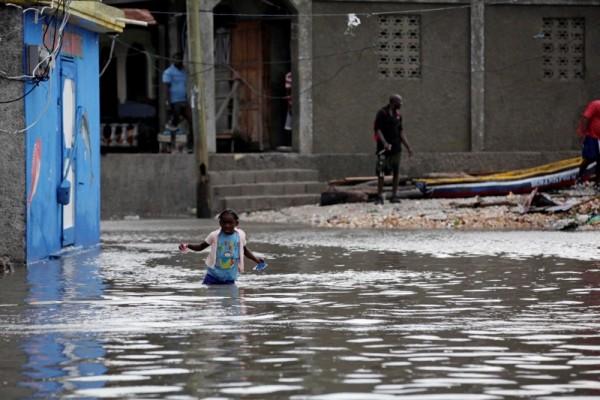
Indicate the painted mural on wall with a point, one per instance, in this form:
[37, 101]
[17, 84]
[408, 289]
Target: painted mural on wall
[63, 142]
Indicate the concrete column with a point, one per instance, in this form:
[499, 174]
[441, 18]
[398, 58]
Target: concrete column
[208, 71]
[12, 150]
[174, 37]
[121, 58]
[303, 140]
[477, 75]
[162, 65]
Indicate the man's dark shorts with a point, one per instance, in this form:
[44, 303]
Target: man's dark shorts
[178, 111]
[590, 148]
[391, 164]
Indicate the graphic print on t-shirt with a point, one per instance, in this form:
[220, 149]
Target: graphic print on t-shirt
[228, 250]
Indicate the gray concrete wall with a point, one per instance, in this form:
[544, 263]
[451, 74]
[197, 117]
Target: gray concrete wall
[523, 112]
[156, 185]
[147, 185]
[340, 165]
[12, 150]
[347, 91]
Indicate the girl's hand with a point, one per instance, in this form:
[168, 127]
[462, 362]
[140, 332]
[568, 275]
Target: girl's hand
[183, 247]
[260, 265]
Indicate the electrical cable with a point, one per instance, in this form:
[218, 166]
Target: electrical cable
[365, 14]
[464, 73]
[110, 55]
[39, 116]
[361, 51]
[20, 97]
[300, 59]
[45, 77]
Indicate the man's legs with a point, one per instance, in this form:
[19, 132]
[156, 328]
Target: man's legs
[179, 111]
[582, 168]
[395, 160]
[175, 112]
[598, 173]
[380, 171]
[395, 179]
[379, 199]
[590, 153]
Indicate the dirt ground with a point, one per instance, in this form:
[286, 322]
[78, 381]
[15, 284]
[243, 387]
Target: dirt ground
[581, 211]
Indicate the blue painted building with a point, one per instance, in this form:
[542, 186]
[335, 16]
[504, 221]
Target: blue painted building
[61, 116]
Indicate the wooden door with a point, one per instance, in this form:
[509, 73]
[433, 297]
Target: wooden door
[249, 53]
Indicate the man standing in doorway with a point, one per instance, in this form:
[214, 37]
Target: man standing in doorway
[175, 78]
[390, 138]
[589, 128]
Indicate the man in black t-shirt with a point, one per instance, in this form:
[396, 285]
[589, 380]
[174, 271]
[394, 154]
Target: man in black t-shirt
[390, 138]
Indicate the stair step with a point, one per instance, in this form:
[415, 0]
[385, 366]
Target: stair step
[253, 161]
[263, 176]
[255, 203]
[268, 188]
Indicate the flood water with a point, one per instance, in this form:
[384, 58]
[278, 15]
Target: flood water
[336, 315]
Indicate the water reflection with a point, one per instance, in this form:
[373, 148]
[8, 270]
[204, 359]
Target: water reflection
[322, 322]
[54, 356]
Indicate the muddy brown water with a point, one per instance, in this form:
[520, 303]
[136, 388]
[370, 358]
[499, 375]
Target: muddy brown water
[336, 315]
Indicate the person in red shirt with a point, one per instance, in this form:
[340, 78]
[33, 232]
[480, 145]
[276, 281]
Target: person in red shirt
[589, 128]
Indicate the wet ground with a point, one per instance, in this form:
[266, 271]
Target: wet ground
[338, 314]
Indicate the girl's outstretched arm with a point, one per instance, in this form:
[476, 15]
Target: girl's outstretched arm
[251, 256]
[194, 247]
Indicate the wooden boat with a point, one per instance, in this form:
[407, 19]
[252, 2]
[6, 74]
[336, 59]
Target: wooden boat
[550, 176]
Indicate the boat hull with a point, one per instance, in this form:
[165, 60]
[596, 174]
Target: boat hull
[551, 176]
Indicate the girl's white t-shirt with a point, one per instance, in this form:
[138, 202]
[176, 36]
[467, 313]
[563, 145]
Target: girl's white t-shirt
[212, 240]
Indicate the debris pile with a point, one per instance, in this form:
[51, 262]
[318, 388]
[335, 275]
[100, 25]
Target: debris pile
[573, 209]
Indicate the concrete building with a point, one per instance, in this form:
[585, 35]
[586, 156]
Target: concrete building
[488, 85]
[50, 195]
[476, 75]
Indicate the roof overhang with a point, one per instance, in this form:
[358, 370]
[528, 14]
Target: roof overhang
[139, 16]
[89, 14]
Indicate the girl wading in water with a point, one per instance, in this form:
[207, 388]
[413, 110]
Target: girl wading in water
[227, 250]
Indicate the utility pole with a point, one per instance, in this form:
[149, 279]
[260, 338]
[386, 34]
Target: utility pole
[477, 75]
[198, 119]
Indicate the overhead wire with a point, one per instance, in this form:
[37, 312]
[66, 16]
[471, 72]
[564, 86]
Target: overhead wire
[463, 72]
[52, 53]
[300, 59]
[256, 91]
[110, 55]
[35, 79]
[265, 15]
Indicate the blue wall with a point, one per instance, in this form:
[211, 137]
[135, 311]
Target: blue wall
[44, 213]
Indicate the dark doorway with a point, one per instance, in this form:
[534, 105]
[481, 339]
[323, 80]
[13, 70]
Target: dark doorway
[253, 56]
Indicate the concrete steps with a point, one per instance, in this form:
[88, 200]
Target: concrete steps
[263, 176]
[264, 189]
[270, 188]
[269, 202]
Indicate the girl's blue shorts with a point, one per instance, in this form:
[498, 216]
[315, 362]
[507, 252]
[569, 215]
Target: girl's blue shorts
[211, 280]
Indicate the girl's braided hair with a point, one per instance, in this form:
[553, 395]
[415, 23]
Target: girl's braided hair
[228, 211]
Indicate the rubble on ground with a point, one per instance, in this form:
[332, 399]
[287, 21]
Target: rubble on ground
[573, 209]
